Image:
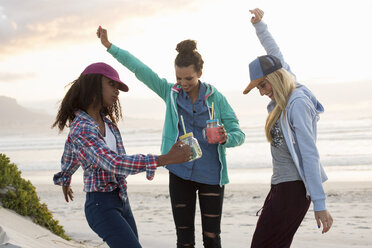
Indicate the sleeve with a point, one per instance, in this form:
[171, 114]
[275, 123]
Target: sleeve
[302, 118]
[159, 85]
[235, 136]
[69, 165]
[95, 152]
[269, 44]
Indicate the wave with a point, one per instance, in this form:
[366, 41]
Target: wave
[339, 143]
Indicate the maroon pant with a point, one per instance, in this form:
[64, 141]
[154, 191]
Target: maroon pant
[285, 207]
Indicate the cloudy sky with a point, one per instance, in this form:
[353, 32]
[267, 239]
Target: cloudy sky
[45, 44]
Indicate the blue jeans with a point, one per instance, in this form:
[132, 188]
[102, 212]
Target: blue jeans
[111, 219]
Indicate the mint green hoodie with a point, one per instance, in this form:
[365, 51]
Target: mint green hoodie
[169, 92]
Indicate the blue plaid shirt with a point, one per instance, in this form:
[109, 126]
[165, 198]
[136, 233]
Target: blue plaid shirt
[104, 170]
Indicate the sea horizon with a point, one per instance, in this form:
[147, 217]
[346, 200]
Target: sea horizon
[339, 142]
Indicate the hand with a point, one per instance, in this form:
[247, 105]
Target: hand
[258, 14]
[223, 134]
[324, 218]
[102, 34]
[179, 153]
[68, 193]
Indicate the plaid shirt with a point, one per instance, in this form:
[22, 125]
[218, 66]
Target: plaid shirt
[104, 170]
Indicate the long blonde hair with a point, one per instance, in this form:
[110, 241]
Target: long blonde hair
[282, 84]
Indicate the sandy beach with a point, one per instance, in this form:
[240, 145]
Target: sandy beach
[349, 193]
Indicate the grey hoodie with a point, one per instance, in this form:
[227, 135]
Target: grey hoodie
[299, 127]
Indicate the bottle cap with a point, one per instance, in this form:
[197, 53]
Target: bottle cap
[187, 135]
[211, 121]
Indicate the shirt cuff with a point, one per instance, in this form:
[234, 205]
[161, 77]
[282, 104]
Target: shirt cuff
[260, 26]
[113, 50]
[319, 205]
[151, 166]
[62, 179]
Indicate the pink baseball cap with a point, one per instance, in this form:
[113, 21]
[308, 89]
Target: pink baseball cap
[107, 71]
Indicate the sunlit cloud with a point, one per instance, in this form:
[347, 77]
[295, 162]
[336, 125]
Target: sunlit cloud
[56, 40]
[15, 77]
[52, 23]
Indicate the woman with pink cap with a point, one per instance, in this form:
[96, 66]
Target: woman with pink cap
[291, 129]
[91, 109]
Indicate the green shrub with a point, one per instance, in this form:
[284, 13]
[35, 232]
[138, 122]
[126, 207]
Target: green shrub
[23, 199]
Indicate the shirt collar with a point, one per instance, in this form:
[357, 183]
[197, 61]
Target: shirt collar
[201, 94]
[84, 115]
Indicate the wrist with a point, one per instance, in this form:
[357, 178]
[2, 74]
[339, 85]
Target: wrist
[162, 160]
[107, 45]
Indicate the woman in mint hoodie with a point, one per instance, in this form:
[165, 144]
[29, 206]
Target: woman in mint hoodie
[291, 129]
[192, 99]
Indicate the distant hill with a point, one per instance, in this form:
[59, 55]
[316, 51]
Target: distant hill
[16, 119]
[341, 101]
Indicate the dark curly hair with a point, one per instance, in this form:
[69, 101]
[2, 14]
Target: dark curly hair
[187, 55]
[83, 92]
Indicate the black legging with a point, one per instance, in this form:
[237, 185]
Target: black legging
[183, 199]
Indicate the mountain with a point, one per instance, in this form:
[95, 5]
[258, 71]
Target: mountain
[16, 119]
[349, 100]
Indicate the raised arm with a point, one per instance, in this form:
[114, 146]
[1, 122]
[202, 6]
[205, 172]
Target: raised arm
[159, 85]
[266, 39]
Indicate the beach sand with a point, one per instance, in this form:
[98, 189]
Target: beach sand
[349, 199]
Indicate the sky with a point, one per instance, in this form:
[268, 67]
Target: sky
[46, 44]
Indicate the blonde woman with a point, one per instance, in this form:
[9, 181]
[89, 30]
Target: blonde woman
[291, 129]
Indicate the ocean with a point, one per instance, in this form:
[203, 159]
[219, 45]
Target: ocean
[340, 143]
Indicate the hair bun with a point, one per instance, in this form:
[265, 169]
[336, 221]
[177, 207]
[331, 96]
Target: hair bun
[186, 46]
